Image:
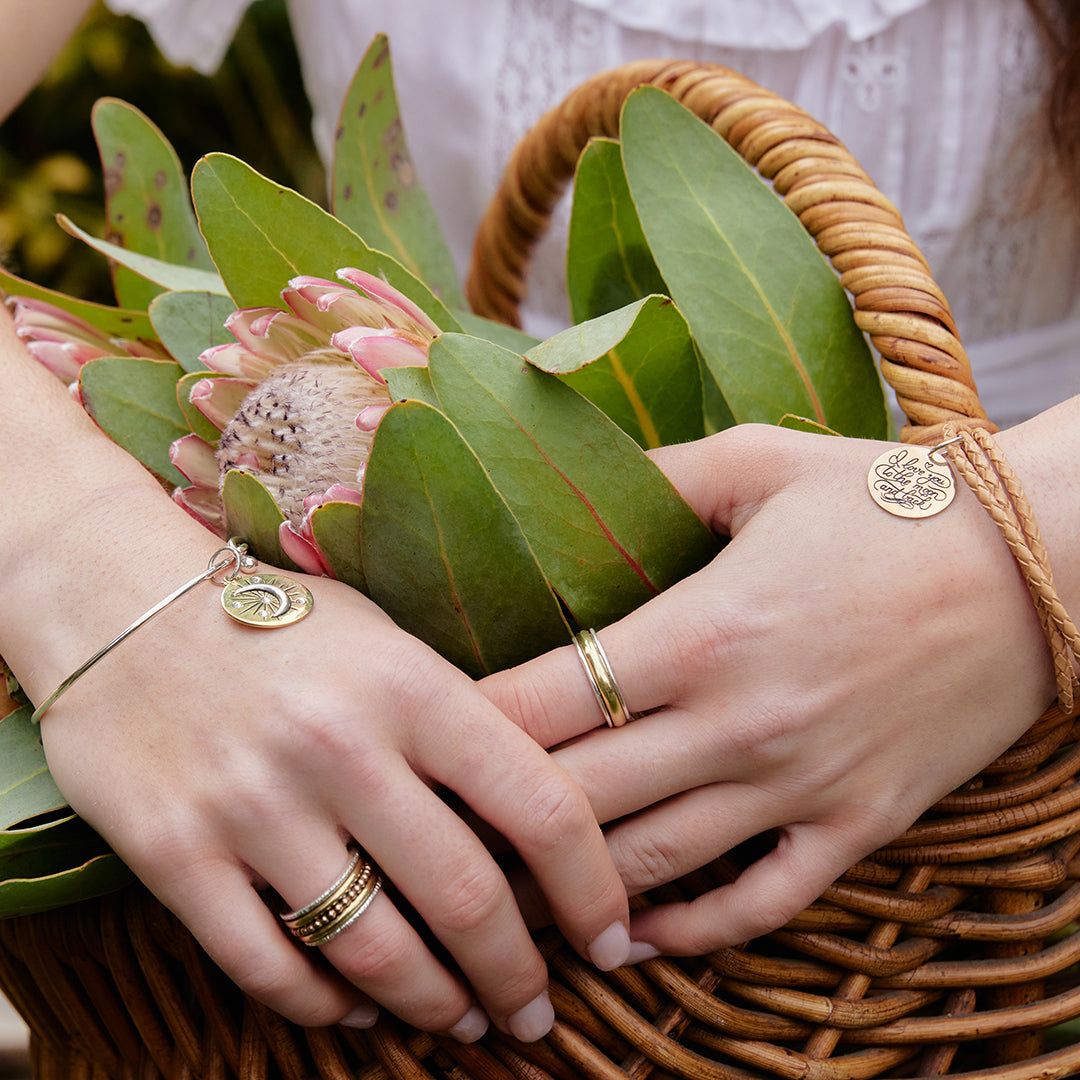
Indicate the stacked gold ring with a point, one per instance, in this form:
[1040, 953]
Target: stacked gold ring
[601, 678]
[339, 907]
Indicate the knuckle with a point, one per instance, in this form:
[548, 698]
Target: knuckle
[378, 959]
[526, 702]
[554, 810]
[643, 861]
[469, 905]
[275, 984]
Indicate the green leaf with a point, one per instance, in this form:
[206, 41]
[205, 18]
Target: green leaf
[252, 515]
[115, 322]
[261, 235]
[336, 528]
[443, 555]
[66, 876]
[607, 527]
[608, 261]
[147, 205]
[410, 384]
[768, 313]
[639, 365]
[27, 789]
[509, 337]
[164, 275]
[134, 402]
[190, 322]
[374, 186]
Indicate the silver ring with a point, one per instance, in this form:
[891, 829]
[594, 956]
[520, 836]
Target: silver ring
[602, 679]
[337, 908]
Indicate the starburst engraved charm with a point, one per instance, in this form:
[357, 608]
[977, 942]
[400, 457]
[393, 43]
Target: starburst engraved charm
[266, 600]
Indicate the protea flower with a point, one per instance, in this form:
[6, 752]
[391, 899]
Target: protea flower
[63, 342]
[297, 399]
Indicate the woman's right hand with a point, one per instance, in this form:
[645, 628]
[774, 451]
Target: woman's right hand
[221, 761]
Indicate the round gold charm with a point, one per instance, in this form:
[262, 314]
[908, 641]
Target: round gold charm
[266, 600]
[910, 482]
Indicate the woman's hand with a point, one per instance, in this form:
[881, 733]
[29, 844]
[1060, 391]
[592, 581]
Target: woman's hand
[219, 760]
[222, 761]
[831, 674]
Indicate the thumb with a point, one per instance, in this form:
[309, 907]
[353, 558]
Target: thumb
[726, 477]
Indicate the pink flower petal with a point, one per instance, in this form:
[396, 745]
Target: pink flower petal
[367, 419]
[381, 290]
[197, 460]
[218, 397]
[64, 360]
[341, 493]
[237, 359]
[328, 305]
[304, 552]
[204, 506]
[376, 349]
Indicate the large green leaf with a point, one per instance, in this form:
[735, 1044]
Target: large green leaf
[27, 789]
[410, 384]
[509, 337]
[58, 875]
[163, 275]
[134, 401]
[442, 553]
[189, 322]
[375, 189]
[261, 235]
[607, 527]
[252, 515]
[608, 262]
[336, 528]
[771, 320]
[147, 205]
[639, 365]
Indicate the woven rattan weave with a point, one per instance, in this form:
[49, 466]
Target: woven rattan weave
[948, 952]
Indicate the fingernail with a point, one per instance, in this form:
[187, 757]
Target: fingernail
[471, 1026]
[612, 948]
[363, 1016]
[641, 950]
[533, 1021]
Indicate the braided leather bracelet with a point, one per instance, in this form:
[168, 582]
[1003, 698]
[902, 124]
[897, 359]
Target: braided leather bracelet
[915, 481]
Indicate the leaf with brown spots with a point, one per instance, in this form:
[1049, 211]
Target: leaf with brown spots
[148, 209]
[375, 189]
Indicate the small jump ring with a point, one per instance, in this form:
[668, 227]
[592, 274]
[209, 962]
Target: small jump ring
[941, 445]
[337, 908]
[232, 559]
[601, 678]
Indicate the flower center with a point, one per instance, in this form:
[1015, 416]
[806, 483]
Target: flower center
[296, 431]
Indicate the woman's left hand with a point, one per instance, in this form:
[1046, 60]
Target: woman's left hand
[831, 674]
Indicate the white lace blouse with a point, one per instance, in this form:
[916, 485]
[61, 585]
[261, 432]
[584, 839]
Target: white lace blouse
[938, 99]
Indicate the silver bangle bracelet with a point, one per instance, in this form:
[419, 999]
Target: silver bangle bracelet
[265, 600]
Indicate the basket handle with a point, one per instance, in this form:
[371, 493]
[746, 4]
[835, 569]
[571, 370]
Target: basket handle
[897, 303]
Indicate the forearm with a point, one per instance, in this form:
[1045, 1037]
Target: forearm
[36, 32]
[89, 535]
[1045, 454]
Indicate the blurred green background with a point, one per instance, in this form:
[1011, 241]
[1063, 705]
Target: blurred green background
[254, 106]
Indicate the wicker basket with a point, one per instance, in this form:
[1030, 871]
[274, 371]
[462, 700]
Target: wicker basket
[947, 952]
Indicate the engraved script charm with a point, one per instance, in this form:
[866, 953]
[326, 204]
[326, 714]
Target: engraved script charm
[266, 600]
[909, 483]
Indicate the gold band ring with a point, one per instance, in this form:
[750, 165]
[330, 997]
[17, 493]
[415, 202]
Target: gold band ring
[339, 907]
[601, 678]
